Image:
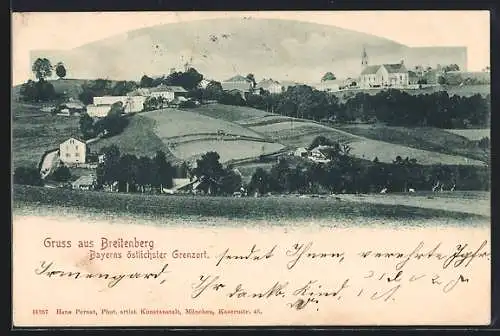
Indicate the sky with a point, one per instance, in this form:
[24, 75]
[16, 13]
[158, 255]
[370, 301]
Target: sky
[42, 31]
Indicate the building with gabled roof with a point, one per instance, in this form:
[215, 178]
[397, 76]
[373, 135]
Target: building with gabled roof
[73, 151]
[237, 82]
[270, 85]
[382, 75]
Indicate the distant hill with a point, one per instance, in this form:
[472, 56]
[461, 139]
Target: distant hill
[222, 48]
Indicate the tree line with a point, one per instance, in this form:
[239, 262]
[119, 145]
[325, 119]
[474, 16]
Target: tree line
[394, 107]
[41, 90]
[132, 173]
[347, 174]
[112, 124]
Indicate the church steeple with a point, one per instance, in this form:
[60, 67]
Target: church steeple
[364, 58]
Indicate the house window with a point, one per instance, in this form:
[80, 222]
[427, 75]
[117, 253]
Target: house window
[76, 147]
[77, 154]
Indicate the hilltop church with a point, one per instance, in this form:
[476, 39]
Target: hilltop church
[382, 75]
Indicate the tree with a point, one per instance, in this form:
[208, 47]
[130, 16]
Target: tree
[251, 78]
[260, 182]
[213, 91]
[121, 88]
[127, 171]
[87, 126]
[144, 172]
[189, 80]
[107, 172]
[162, 171]
[451, 67]
[209, 171]
[146, 82]
[42, 68]
[60, 70]
[328, 76]
[32, 91]
[27, 176]
[320, 140]
[61, 174]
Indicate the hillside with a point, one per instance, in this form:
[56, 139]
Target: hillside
[221, 48]
[451, 142]
[239, 134]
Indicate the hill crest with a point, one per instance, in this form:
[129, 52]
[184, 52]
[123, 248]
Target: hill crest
[222, 48]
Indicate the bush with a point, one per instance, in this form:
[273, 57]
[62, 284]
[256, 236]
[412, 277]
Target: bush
[27, 176]
[61, 174]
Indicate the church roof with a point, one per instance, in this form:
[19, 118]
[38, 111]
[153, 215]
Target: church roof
[370, 70]
[391, 68]
[238, 78]
[395, 68]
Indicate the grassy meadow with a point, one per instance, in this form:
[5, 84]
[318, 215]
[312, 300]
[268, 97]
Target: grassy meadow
[471, 134]
[34, 132]
[272, 209]
[451, 142]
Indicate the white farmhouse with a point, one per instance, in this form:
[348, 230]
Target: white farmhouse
[98, 111]
[269, 85]
[109, 100]
[134, 104]
[329, 85]
[73, 151]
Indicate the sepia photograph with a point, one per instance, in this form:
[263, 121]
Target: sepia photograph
[251, 168]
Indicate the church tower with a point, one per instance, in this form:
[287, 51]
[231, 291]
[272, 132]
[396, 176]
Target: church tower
[364, 59]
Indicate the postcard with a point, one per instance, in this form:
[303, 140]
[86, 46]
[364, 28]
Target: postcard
[251, 168]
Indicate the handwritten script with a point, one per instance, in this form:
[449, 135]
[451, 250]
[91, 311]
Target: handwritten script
[374, 275]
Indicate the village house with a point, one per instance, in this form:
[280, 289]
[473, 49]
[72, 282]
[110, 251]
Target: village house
[87, 182]
[134, 104]
[319, 155]
[239, 83]
[269, 85]
[204, 83]
[169, 93]
[98, 111]
[329, 85]
[73, 151]
[382, 75]
[109, 100]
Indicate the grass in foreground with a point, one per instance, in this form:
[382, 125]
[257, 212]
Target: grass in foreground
[269, 208]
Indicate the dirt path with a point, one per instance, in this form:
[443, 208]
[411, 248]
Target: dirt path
[49, 163]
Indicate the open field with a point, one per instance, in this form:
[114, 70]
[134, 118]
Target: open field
[175, 123]
[303, 133]
[33, 133]
[386, 152]
[229, 112]
[272, 209]
[471, 134]
[138, 138]
[426, 138]
[228, 150]
[451, 201]
[269, 119]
